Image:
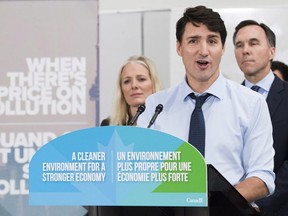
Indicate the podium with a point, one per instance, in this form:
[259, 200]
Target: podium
[125, 171]
[223, 200]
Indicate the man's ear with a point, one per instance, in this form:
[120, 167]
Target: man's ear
[272, 53]
[178, 48]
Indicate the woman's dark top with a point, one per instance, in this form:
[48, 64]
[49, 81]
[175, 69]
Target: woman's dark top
[105, 122]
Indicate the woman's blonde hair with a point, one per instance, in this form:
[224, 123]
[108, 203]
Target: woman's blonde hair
[121, 115]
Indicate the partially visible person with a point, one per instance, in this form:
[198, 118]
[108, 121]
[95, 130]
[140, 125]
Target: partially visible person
[137, 79]
[238, 127]
[255, 47]
[280, 69]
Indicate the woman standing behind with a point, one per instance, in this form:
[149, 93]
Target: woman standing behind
[137, 80]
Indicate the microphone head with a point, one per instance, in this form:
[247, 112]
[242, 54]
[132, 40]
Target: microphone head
[141, 108]
[159, 108]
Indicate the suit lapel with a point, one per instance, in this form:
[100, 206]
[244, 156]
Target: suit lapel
[274, 98]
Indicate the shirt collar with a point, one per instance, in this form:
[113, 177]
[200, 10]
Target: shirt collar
[265, 83]
[216, 89]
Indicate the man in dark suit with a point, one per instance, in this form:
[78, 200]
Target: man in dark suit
[254, 45]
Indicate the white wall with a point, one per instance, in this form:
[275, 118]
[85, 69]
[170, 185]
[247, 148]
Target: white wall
[131, 33]
[134, 5]
[156, 40]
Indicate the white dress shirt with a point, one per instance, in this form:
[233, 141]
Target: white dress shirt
[238, 127]
[264, 84]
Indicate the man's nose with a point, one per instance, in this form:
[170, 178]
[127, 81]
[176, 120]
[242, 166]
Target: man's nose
[203, 49]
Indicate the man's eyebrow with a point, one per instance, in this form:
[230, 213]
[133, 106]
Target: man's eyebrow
[253, 39]
[238, 42]
[213, 36]
[193, 37]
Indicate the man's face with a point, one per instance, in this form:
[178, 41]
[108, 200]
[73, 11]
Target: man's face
[201, 51]
[253, 52]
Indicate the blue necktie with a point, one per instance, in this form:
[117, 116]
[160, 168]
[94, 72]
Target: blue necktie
[255, 88]
[197, 124]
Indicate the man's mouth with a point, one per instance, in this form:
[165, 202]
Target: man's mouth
[202, 63]
[247, 61]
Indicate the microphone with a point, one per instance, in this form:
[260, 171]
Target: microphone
[140, 110]
[158, 110]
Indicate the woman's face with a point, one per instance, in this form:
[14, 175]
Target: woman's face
[136, 84]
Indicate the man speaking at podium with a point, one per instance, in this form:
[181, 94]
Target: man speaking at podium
[230, 125]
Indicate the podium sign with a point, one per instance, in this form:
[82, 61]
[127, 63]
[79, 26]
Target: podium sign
[118, 166]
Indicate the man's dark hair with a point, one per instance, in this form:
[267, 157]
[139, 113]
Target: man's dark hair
[271, 38]
[283, 68]
[201, 15]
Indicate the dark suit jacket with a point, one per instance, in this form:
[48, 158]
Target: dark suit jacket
[277, 101]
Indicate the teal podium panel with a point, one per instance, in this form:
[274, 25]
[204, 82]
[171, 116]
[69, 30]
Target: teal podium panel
[118, 166]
